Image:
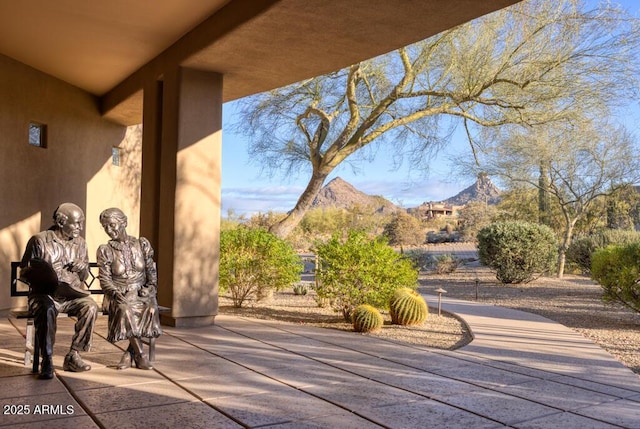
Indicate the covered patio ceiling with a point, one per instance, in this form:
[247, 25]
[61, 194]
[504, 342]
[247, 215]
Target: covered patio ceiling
[113, 48]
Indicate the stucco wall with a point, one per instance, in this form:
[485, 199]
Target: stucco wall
[76, 165]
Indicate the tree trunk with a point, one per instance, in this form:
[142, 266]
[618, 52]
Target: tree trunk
[562, 257]
[566, 242]
[283, 228]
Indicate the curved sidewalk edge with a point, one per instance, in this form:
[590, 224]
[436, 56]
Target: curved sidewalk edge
[532, 341]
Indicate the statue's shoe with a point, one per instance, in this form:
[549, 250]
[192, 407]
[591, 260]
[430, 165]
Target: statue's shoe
[74, 363]
[142, 362]
[46, 369]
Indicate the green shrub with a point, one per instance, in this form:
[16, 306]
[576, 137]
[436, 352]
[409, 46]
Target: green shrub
[359, 270]
[617, 270]
[473, 217]
[580, 251]
[408, 307]
[322, 222]
[434, 237]
[519, 252]
[419, 258]
[254, 262]
[366, 318]
[446, 263]
[404, 230]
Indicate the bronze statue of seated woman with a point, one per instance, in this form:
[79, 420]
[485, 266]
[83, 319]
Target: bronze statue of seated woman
[128, 276]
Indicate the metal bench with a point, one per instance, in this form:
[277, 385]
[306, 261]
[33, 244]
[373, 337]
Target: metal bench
[32, 350]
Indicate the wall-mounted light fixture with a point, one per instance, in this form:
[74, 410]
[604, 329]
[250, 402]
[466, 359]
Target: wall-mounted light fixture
[37, 134]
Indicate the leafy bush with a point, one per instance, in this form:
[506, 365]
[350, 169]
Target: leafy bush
[419, 258]
[264, 220]
[580, 251]
[323, 222]
[404, 230]
[473, 217]
[518, 251]
[254, 262]
[617, 270]
[446, 263]
[367, 318]
[361, 271]
[407, 307]
[443, 236]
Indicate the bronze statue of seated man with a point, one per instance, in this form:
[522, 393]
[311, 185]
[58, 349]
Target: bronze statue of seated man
[55, 264]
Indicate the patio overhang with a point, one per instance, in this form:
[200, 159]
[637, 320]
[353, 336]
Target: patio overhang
[110, 49]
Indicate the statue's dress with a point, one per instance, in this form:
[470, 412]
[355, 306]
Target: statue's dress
[128, 268]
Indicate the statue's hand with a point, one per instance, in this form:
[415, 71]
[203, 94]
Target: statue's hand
[77, 266]
[68, 276]
[119, 298]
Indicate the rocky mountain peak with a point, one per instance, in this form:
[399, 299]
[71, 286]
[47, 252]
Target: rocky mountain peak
[482, 190]
[341, 194]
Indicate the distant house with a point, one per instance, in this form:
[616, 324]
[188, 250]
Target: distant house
[435, 210]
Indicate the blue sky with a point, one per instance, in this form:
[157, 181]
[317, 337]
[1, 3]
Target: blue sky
[246, 191]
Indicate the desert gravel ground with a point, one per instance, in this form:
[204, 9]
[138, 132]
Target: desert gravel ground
[443, 332]
[573, 301]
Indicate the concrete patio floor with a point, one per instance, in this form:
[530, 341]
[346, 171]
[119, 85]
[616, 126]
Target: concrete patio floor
[520, 371]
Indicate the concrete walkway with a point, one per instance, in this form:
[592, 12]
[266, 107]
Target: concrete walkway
[521, 371]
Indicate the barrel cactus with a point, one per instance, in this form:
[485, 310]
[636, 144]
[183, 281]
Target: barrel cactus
[366, 318]
[408, 307]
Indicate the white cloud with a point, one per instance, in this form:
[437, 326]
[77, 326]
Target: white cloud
[256, 199]
[264, 190]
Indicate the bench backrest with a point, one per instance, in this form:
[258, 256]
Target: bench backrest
[19, 288]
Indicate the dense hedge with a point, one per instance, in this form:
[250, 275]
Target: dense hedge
[617, 270]
[518, 252]
[580, 251]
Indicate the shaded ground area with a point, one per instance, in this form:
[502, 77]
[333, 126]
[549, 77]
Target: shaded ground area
[251, 373]
[522, 370]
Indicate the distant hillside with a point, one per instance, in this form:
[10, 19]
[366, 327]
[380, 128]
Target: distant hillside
[483, 190]
[341, 194]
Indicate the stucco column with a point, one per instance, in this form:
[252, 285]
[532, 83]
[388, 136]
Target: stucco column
[150, 177]
[186, 201]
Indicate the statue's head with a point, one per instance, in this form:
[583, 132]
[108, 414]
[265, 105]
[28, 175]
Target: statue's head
[114, 222]
[68, 220]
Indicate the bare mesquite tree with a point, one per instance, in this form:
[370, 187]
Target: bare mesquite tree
[582, 162]
[537, 62]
